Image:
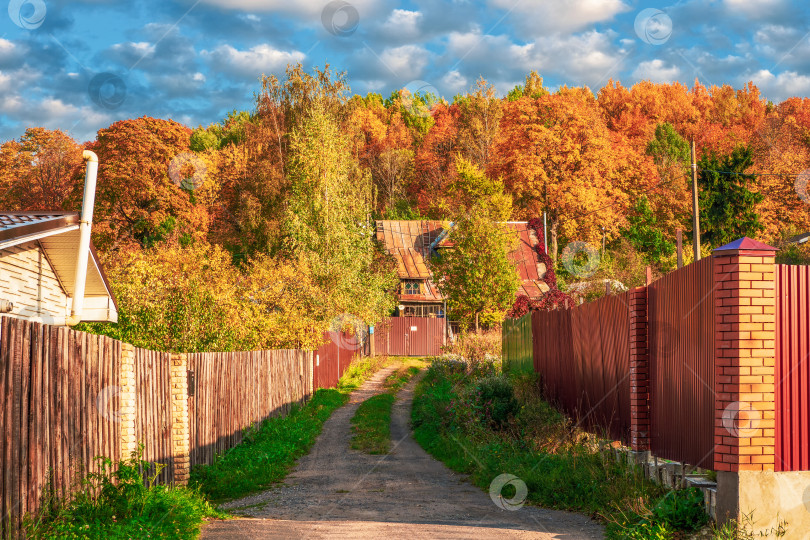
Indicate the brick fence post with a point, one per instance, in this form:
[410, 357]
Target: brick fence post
[126, 415]
[744, 327]
[180, 420]
[639, 372]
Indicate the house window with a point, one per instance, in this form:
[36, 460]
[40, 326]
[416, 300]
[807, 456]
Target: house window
[411, 286]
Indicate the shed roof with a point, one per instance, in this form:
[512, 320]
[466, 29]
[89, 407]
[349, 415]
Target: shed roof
[58, 234]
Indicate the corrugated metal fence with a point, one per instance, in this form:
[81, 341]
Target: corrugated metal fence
[410, 336]
[516, 345]
[333, 357]
[680, 313]
[792, 376]
[582, 355]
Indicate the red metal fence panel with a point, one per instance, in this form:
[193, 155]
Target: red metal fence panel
[583, 356]
[335, 355]
[792, 374]
[410, 336]
[680, 314]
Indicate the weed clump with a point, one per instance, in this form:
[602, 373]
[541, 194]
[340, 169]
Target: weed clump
[117, 502]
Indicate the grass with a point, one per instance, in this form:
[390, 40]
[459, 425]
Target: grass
[562, 467]
[371, 423]
[116, 503]
[269, 451]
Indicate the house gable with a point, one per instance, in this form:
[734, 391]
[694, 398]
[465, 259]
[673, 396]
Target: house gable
[411, 244]
[38, 253]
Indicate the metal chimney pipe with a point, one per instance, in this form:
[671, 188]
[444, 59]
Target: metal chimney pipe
[85, 224]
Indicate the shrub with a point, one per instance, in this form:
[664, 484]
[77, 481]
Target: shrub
[116, 503]
[682, 510]
[496, 400]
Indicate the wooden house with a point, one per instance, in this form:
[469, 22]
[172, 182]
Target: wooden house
[412, 243]
[38, 252]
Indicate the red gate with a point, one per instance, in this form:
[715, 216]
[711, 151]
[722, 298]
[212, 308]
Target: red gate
[410, 336]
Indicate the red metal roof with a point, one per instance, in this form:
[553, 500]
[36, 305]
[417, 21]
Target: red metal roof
[409, 242]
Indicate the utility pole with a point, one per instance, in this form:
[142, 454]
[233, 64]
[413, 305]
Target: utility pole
[695, 212]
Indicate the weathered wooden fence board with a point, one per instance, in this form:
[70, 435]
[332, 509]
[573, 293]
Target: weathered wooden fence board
[60, 406]
[57, 388]
[235, 390]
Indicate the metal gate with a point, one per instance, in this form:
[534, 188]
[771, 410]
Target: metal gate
[410, 336]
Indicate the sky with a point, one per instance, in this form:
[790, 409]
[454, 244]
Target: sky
[81, 65]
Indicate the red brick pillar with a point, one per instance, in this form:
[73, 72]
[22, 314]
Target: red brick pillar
[744, 325]
[639, 371]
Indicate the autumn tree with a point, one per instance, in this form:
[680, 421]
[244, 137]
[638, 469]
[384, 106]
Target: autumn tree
[383, 145]
[781, 154]
[670, 152]
[40, 171]
[727, 206]
[479, 118]
[137, 199]
[556, 155]
[475, 274]
[327, 222]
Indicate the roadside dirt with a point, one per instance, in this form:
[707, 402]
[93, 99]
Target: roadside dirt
[336, 492]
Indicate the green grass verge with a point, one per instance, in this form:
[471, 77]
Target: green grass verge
[562, 467]
[269, 451]
[371, 423]
[115, 503]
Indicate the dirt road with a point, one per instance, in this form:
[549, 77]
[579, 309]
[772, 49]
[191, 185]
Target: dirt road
[336, 492]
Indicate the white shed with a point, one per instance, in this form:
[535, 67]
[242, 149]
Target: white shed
[38, 252]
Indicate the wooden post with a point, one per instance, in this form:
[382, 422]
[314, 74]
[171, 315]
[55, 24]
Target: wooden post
[649, 275]
[607, 287]
[679, 235]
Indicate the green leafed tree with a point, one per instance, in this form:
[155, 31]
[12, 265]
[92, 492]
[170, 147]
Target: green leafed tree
[727, 205]
[475, 274]
[645, 234]
[327, 222]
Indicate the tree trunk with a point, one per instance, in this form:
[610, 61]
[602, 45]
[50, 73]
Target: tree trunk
[476, 322]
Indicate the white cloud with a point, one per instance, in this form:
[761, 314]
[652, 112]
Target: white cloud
[657, 71]
[754, 9]
[782, 86]
[538, 17]
[140, 48]
[407, 61]
[253, 62]
[586, 58]
[402, 24]
[455, 82]
[304, 7]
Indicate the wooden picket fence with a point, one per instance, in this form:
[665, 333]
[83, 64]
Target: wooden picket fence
[67, 397]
